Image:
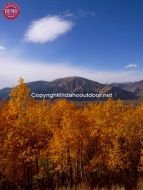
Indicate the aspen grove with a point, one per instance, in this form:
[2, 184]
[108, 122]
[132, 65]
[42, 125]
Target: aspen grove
[53, 144]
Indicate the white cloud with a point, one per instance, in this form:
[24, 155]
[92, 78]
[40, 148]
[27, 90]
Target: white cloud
[2, 48]
[12, 68]
[130, 66]
[47, 29]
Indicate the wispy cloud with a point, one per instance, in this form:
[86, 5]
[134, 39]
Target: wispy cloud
[2, 48]
[79, 13]
[83, 13]
[68, 13]
[130, 66]
[48, 29]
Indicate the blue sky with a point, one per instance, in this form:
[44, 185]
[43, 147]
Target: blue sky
[98, 39]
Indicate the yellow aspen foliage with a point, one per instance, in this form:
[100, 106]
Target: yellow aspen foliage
[63, 143]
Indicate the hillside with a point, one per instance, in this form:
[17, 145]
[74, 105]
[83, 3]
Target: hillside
[76, 85]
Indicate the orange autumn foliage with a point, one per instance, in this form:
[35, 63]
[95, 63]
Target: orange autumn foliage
[63, 143]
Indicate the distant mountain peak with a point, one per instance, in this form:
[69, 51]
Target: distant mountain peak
[79, 85]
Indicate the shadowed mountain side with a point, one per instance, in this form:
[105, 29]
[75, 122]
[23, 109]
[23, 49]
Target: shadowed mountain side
[76, 85]
[135, 87]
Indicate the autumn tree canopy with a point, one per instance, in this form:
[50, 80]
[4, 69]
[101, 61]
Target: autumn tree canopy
[61, 143]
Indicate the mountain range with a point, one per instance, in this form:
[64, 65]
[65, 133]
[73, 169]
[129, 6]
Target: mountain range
[78, 85]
